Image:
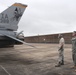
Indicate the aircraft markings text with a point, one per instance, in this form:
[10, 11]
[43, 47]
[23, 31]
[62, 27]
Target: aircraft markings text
[4, 18]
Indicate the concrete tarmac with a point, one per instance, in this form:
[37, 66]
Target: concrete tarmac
[25, 60]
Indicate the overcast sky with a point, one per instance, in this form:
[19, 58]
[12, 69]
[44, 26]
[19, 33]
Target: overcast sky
[43, 17]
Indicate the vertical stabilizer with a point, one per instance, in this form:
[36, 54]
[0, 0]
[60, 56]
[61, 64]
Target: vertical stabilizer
[10, 18]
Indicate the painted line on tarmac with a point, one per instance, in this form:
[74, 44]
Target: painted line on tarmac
[5, 70]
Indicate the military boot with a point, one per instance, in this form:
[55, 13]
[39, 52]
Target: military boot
[62, 62]
[58, 65]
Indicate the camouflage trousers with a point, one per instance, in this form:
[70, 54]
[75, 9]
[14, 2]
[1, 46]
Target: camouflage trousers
[61, 56]
[74, 58]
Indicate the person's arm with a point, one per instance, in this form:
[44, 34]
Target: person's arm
[61, 44]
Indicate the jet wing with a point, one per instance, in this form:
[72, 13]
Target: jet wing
[19, 40]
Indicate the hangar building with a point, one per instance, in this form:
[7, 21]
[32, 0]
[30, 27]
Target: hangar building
[51, 38]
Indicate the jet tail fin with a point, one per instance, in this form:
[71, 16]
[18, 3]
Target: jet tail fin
[11, 16]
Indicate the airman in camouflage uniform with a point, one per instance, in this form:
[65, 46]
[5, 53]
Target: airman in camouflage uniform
[61, 51]
[74, 49]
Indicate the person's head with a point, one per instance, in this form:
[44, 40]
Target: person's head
[74, 33]
[60, 36]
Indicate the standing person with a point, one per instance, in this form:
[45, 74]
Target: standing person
[74, 49]
[61, 51]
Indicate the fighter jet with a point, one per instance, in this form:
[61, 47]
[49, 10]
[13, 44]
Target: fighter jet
[9, 20]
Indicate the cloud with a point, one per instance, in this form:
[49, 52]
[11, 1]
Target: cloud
[46, 16]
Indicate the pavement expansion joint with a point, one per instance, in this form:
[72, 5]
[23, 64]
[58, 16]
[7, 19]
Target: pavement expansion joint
[5, 70]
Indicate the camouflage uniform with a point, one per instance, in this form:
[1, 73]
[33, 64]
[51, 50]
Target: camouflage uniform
[61, 55]
[61, 51]
[74, 50]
